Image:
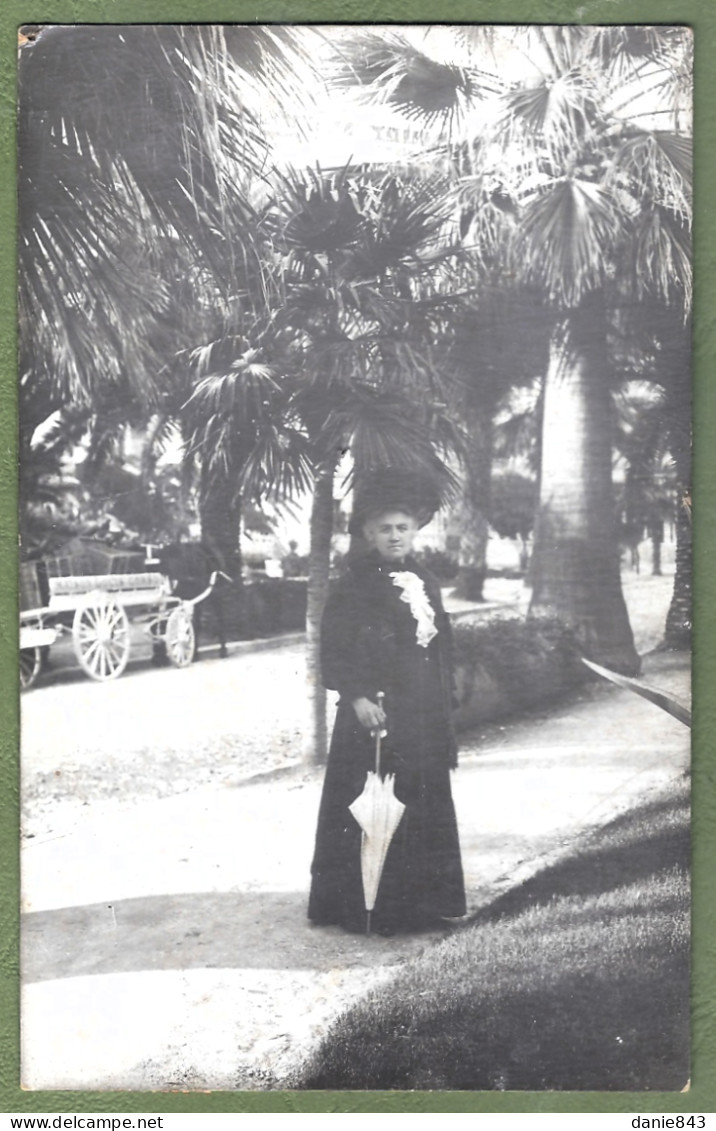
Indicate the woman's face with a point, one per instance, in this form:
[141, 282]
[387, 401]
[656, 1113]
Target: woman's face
[392, 534]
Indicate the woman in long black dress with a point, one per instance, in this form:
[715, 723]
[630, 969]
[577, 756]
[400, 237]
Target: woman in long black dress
[384, 629]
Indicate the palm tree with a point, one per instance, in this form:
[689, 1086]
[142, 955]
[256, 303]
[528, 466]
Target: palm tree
[653, 342]
[498, 343]
[577, 176]
[360, 259]
[47, 434]
[240, 427]
[647, 494]
[115, 173]
[340, 366]
[140, 149]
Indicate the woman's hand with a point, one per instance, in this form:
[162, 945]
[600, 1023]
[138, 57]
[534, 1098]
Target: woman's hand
[369, 714]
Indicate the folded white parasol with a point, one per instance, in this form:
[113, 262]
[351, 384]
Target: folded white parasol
[378, 812]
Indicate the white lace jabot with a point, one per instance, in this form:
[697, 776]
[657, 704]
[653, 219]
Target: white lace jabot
[413, 593]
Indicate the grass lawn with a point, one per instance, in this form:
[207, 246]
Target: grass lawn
[579, 979]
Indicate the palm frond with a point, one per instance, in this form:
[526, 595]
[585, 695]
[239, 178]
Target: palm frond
[655, 61]
[566, 238]
[277, 63]
[278, 465]
[516, 437]
[180, 134]
[660, 254]
[634, 44]
[315, 211]
[658, 168]
[244, 390]
[131, 140]
[380, 431]
[365, 222]
[394, 71]
[407, 365]
[555, 111]
[106, 128]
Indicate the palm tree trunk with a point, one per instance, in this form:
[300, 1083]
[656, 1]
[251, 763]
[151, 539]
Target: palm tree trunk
[677, 634]
[575, 565]
[319, 562]
[470, 518]
[220, 515]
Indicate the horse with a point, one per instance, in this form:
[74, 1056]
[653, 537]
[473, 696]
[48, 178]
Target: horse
[192, 569]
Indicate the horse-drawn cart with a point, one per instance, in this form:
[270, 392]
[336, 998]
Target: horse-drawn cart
[56, 597]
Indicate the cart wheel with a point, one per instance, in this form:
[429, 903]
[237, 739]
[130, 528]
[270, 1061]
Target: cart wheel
[179, 637]
[30, 664]
[100, 635]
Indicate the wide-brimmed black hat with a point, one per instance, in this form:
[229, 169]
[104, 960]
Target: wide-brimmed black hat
[393, 488]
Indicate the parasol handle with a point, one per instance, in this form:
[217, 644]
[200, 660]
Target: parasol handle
[379, 700]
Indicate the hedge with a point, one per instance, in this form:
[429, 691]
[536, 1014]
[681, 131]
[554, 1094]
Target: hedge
[502, 666]
[262, 607]
[506, 666]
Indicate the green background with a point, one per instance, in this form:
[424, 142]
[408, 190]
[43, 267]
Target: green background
[701, 16]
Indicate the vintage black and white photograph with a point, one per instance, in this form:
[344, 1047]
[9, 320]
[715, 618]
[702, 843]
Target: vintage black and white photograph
[355, 556]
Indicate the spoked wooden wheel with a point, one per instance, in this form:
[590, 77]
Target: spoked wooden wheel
[100, 635]
[179, 637]
[30, 663]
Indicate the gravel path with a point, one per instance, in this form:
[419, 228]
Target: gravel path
[163, 950]
[158, 732]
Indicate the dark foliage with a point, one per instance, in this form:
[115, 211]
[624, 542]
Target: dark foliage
[522, 656]
[440, 563]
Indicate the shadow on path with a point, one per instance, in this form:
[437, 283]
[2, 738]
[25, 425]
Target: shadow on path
[578, 979]
[625, 855]
[197, 930]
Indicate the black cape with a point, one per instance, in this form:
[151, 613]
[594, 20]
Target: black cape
[369, 645]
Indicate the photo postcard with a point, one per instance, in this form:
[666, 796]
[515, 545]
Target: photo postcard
[355, 573]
